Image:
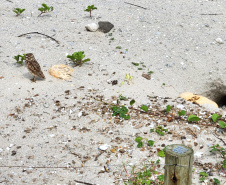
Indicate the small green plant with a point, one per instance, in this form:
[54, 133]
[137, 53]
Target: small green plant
[163, 84]
[90, 9]
[122, 97]
[128, 79]
[136, 64]
[18, 11]
[168, 107]
[216, 181]
[140, 142]
[20, 58]
[222, 124]
[146, 176]
[215, 117]
[203, 176]
[45, 9]
[150, 72]
[77, 58]
[222, 151]
[132, 102]
[182, 113]
[118, 47]
[144, 108]
[160, 130]
[161, 153]
[218, 148]
[193, 118]
[120, 111]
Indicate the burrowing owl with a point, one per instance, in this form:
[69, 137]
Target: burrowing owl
[33, 66]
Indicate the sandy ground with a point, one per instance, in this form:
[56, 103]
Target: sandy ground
[50, 131]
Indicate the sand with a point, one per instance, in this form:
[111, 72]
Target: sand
[52, 130]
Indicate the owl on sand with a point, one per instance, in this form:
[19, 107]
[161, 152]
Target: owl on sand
[33, 66]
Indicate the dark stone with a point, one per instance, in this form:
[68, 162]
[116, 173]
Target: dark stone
[114, 82]
[105, 26]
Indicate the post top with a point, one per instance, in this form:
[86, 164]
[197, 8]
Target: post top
[179, 150]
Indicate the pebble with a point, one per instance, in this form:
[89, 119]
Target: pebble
[46, 105]
[103, 147]
[92, 27]
[198, 154]
[180, 106]
[219, 41]
[80, 114]
[105, 26]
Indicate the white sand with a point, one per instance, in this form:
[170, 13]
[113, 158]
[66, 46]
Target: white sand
[171, 38]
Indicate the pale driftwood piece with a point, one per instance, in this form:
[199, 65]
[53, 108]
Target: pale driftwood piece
[178, 165]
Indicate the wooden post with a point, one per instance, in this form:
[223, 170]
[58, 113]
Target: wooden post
[178, 165]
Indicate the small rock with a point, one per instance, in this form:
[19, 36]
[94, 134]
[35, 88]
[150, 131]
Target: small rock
[92, 27]
[105, 26]
[103, 147]
[146, 76]
[180, 106]
[80, 114]
[219, 41]
[198, 154]
[46, 105]
[13, 153]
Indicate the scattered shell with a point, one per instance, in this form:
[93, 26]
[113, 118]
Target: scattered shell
[104, 147]
[201, 100]
[92, 27]
[61, 71]
[219, 41]
[80, 114]
[198, 154]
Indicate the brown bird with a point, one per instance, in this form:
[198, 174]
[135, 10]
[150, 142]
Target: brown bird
[33, 66]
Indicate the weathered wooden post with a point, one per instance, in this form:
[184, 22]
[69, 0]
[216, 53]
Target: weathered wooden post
[178, 165]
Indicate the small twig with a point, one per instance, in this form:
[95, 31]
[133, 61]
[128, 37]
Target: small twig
[211, 14]
[41, 34]
[83, 182]
[135, 5]
[219, 139]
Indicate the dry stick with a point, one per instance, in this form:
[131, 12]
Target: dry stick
[219, 139]
[135, 5]
[211, 14]
[83, 182]
[40, 34]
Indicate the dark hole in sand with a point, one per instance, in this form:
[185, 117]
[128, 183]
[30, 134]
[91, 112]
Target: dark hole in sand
[217, 93]
[221, 101]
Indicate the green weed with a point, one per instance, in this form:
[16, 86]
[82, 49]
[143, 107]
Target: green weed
[18, 11]
[193, 118]
[145, 176]
[90, 9]
[77, 58]
[19, 59]
[45, 9]
[121, 112]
